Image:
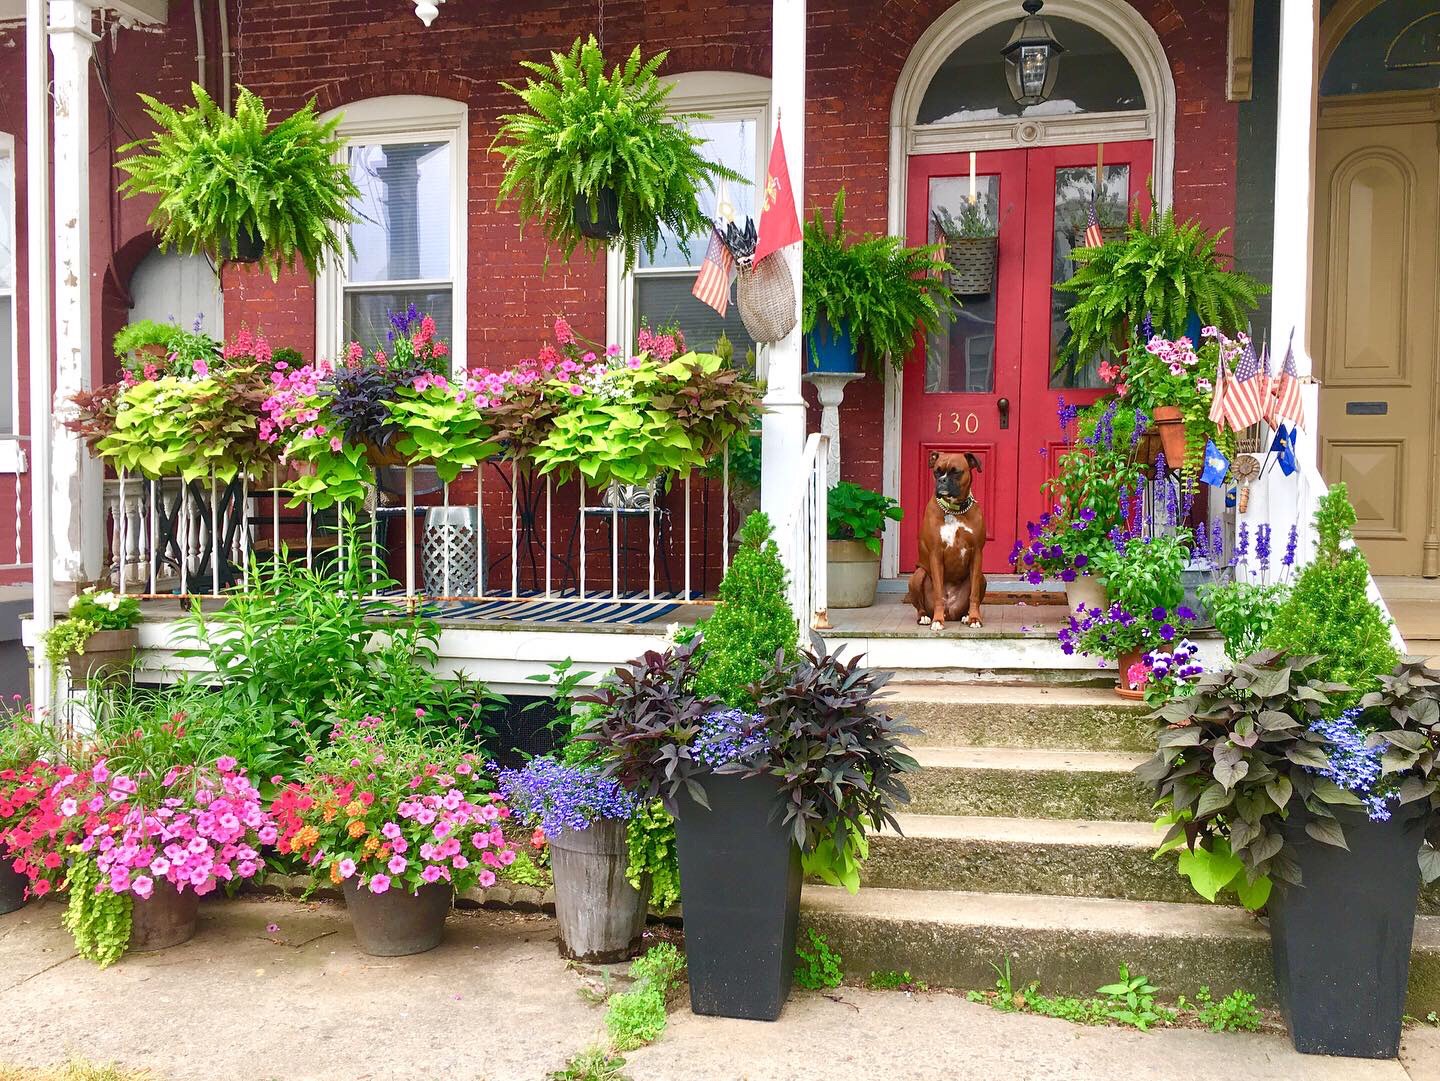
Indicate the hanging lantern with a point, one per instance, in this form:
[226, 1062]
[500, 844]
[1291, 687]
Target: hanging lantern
[427, 10]
[1032, 57]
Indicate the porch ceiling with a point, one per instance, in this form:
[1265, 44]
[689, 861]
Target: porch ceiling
[142, 11]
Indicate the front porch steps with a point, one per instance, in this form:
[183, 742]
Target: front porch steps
[1028, 837]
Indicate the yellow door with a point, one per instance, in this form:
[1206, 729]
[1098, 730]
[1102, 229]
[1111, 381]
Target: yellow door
[1374, 316]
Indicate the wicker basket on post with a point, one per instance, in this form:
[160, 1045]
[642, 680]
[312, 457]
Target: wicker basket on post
[766, 297]
[972, 261]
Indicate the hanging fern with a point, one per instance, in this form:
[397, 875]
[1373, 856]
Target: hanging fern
[583, 131]
[1164, 269]
[221, 177]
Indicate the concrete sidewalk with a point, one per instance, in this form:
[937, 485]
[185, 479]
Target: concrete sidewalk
[496, 1003]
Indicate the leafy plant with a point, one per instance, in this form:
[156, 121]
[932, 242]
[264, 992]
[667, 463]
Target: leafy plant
[1235, 1012]
[650, 837]
[222, 177]
[817, 968]
[1131, 1001]
[1329, 614]
[98, 919]
[592, 1064]
[974, 221]
[1405, 710]
[637, 1017]
[144, 344]
[1163, 269]
[886, 292]
[89, 612]
[1144, 573]
[891, 980]
[1243, 613]
[753, 628]
[583, 132]
[856, 513]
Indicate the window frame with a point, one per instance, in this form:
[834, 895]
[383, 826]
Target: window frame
[403, 118]
[9, 455]
[720, 95]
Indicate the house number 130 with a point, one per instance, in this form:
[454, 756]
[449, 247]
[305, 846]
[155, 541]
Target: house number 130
[970, 424]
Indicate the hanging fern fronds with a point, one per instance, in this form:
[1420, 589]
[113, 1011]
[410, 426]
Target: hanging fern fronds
[1163, 268]
[583, 131]
[222, 177]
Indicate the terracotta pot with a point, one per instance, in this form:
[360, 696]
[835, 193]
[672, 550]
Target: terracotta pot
[601, 916]
[1171, 425]
[1122, 683]
[382, 455]
[107, 653]
[1087, 590]
[166, 918]
[396, 923]
[12, 886]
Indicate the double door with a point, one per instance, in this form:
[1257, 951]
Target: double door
[990, 383]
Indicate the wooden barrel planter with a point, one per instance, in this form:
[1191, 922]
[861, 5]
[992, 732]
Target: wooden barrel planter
[601, 916]
[108, 654]
[396, 923]
[166, 918]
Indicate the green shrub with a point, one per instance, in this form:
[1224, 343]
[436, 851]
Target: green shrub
[817, 968]
[1330, 614]
[1243, 613]
[637, 1017]
[752, 621]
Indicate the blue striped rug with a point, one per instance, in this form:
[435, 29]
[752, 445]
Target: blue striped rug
[563, 606]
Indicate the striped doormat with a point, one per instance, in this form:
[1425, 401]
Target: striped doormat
[564, 606]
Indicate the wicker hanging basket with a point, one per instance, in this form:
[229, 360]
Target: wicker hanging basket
[766, 296]
[972, 260]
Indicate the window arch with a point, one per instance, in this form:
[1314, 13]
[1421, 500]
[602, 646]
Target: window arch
[407, 154]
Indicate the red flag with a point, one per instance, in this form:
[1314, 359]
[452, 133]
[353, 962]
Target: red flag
[712, 284]
[779, 221]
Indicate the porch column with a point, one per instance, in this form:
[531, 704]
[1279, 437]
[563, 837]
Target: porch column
[1294, 200]
[37, 289]
[783, 425]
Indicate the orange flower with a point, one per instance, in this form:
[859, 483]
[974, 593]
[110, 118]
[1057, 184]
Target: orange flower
[331, 810]
[304, 838]
[355, 808]
[372, 845]
[335, 873]
[356, 829]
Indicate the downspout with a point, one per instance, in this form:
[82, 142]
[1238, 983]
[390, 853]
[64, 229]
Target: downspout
[200, 46]
[227, 89]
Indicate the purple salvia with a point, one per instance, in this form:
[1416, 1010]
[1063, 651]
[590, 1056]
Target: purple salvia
[1262, 545]
[1242, 544]
[1217, 543]
[1290, 545]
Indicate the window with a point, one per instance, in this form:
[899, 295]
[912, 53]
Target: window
[407, 155]
[8, 333]
[737, 134]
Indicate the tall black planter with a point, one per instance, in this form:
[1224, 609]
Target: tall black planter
[1341, 940]
[12, 885]
[740, 890]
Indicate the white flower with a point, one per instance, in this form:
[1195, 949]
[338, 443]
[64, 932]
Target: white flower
[75, 600]
[672, 631]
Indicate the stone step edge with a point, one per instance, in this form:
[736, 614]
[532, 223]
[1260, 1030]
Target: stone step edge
[995, 829]
[1024, 695]
[1024, 759]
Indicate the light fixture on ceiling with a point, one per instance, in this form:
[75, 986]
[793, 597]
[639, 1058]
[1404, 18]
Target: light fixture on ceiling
[1032, 57]
[427, 10]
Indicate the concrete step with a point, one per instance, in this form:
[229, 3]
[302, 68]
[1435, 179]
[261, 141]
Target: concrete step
[1016, 782]
[1059, 718]
[1070, 944]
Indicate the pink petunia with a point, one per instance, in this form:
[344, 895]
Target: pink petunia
[379, 883]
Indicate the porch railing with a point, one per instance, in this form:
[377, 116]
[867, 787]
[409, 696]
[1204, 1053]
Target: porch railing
[805, 529]
[496, 533]
[15, 551]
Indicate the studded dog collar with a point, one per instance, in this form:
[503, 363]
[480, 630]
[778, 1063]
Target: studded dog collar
[955, 507]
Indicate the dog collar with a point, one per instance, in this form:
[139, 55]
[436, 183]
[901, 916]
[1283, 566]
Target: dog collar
[950, 506]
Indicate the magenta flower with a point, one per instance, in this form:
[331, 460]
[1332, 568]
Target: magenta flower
[379, 883]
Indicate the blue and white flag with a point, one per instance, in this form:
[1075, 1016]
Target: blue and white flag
[1216, 465]
[1283, 447]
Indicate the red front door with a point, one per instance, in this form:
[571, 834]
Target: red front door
[990, 385]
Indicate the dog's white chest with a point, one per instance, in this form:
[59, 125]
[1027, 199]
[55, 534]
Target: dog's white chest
[951, 529]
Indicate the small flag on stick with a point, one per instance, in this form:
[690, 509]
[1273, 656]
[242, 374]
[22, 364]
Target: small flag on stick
[1093, 237]
[1285, 403]
[712, 284]
[1245, 394]
[1217, 403]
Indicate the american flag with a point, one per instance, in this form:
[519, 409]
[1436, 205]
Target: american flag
[712, 284]
[1245, 394]
[1093, 237]
[1217, 403]
[1285, 403]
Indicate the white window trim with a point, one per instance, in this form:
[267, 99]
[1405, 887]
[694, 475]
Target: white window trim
[12, 456]
[717, 94]
[396, 119]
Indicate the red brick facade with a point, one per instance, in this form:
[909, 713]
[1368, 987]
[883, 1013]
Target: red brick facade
[345, 50]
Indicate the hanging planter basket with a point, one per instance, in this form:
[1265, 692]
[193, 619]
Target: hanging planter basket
[248, 248]
[1170, 423]
[604, 222]
[766, 297]
[973, 260]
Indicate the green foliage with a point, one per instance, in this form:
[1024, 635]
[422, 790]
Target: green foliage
[583, 131]
[650, 837]
[592, 1064]
[220, 177]
[637, 1017]
[1212, 867]
[752, 625]
[1243, 613]
[856, 513]
[1329, 614]
[819, 967]
[526, 872]
[1146, 574]
[180, 348]
[974, 220]
[66, 638]
[436, 427]
[886, 292]
[99, 922]
[894, 981]
[1235, 1012]
[1163, 268]
[1131, 1001]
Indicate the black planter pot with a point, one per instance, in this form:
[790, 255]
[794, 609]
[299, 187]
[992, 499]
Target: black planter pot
[248, 248]
[1341, 940]
[12, 886]
[396, 923]
[604, 224]
[740, 891]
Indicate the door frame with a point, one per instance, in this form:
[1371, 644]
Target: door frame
[1131, 34]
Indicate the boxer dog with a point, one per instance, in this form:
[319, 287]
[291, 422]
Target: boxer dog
[948, 583]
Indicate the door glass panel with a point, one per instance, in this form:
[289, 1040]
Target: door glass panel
[961, 358]
[1075, 194]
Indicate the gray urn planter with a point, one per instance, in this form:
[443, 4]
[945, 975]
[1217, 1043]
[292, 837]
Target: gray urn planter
[601, 916]
[852, 575]
[396, 923]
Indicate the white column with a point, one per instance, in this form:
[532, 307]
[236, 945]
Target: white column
[76, 477]
[37, 216]
[783, 425]
[1295, 198]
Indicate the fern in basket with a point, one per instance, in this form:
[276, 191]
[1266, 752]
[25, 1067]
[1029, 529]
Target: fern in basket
[1165, 269]
[886, 292]
[224, 181]
[583, 131]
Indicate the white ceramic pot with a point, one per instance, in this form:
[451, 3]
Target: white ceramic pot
[1086, 590]
[852, 576]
